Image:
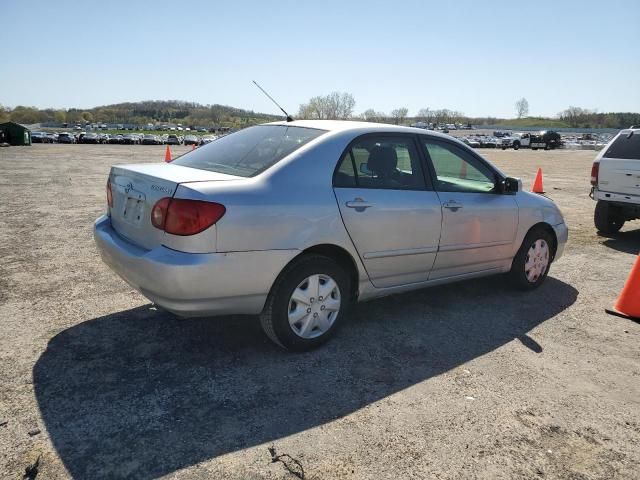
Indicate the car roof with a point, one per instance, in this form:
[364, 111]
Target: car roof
[345, 125]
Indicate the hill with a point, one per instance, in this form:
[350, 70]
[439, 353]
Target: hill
[141, 113]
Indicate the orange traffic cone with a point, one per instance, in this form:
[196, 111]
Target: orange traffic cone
[463, 169]
[628, 304]
[537, 184]
[167, 154]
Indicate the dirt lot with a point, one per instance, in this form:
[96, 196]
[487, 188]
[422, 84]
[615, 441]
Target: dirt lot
[464, 381]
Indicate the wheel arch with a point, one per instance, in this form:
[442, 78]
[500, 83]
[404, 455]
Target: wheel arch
[344, 259]
[336, 253]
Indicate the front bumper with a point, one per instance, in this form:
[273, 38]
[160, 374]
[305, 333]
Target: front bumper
[193, 284]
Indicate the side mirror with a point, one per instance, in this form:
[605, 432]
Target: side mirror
[511, 185]
[507, 185]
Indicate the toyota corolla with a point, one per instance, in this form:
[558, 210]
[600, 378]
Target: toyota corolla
[294, 221]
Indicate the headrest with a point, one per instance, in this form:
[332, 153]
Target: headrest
[382, 160]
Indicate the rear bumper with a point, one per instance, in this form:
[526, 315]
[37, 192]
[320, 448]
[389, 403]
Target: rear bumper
[562, 235]
[190, 284]
[622, 198]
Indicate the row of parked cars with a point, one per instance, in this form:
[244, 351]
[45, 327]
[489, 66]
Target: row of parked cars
[126, 139]
[547, 140]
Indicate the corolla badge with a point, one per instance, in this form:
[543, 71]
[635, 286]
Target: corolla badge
[162, 189]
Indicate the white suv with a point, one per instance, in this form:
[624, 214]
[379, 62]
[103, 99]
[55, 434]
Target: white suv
[615, 177]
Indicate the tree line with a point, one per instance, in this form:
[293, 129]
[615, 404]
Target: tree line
[171, 111]
[336, 105]
[341, 106]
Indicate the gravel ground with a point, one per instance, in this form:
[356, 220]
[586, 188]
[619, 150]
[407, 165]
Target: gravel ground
[471, 380]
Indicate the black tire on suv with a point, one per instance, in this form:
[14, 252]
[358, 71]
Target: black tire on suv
[607, 218]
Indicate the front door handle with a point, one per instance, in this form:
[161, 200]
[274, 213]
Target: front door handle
[452, 205]
[359, 204]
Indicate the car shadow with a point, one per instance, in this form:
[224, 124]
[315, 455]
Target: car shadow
[627, 242]
[141, 393]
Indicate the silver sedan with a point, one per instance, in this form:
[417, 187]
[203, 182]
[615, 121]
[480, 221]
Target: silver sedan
[294, 221]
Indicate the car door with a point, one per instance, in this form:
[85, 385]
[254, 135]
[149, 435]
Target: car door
[478, 223]
[389, 210]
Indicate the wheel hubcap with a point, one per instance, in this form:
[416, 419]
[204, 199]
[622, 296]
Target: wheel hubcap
[314, 306]
[537, 260]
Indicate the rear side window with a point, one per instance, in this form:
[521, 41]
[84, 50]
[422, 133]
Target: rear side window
[250, 151]
[625, 146]
[385, 162]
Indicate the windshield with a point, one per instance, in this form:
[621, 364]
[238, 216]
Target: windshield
[250, 151]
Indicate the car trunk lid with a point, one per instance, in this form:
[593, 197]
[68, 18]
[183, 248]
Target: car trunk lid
[136, 189]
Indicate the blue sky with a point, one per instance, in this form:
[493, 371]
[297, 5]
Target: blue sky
[476, 57]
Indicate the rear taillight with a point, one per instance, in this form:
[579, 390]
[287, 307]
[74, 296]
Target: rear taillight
[185, 217]
[109, 194]
[595, 170]
[159, 212]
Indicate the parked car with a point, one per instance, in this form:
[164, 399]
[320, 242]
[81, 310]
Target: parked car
[116, 139]
[501, 134]
[174, 140]
[545, 139]
[40, 137]
[66, 137]
[208, 139]
[551, 139]
[104, 138]
[191, 140]
[488, 142]
[90, 138]
[615, 180]
[294, 221]
[150, 140]
[130, 139]
[472, 142]
[53, 137]
[517, 141]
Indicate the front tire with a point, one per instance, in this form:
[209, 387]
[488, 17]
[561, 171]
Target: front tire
[307, 303]
[516, 145]
[606, 219]
[531, 264]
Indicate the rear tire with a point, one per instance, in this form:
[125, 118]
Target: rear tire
[324, 315]
[606, 219]
[516, 145]
[531, 264]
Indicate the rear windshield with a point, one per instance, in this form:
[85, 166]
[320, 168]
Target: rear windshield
[625, 147]
[250, 151]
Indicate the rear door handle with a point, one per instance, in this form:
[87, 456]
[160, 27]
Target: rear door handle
[359, 204]
[452, 205]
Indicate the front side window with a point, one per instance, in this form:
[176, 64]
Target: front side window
[250, 151]
[385, 162]
[457, 170]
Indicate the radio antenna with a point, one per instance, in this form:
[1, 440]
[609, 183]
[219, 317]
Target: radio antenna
[289, 117]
